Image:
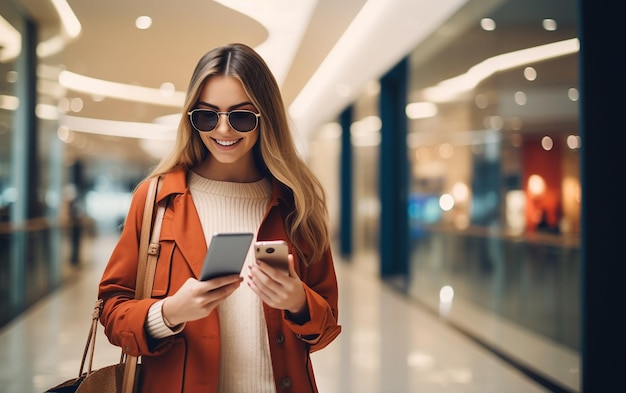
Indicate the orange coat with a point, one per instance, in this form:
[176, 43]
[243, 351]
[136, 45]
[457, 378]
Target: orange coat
[189, 361]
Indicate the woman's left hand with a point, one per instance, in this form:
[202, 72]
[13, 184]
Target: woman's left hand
[277, 288]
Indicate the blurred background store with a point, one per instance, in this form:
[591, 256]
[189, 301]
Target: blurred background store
[447, 135]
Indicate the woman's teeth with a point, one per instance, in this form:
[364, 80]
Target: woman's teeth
[227, 143]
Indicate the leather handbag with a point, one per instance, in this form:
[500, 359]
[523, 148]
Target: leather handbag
[125, 376]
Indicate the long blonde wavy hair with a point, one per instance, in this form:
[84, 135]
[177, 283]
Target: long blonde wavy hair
[275, 152]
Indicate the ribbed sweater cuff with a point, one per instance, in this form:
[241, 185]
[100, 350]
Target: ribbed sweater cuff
[155, 325]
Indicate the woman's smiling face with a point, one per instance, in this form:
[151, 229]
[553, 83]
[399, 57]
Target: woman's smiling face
[230, 150]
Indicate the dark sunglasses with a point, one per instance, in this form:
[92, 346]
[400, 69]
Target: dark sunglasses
[205, 120]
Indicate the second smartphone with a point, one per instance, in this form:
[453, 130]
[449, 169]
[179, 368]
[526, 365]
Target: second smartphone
[273, 252]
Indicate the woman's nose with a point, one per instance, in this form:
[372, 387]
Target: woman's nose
[222, 123]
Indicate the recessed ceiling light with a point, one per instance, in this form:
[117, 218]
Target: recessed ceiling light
[167, 89]
[530, 73]
[549, 24]
[488, 24]
[143, 22]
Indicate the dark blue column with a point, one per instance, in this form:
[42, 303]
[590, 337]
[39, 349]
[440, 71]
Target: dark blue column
[394, 228]
[24, 170]
[602, 83]
[345, 214]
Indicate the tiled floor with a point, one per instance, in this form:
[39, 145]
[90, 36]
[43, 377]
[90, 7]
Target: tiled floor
[388, 344]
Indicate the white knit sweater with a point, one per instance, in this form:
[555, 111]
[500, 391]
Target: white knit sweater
[245, 363]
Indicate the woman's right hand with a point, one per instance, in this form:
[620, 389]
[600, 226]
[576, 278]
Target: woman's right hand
[196, 299]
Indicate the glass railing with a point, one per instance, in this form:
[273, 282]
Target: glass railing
[35, 258]
[532, 280]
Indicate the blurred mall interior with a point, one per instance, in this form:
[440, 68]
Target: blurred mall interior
[454, 163]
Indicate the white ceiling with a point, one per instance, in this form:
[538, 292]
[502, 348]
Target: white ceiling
[323, 52]
[312, 46]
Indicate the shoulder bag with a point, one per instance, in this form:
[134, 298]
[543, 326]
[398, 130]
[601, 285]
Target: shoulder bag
[125, 376]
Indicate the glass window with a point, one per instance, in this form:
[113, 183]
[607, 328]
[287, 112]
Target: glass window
[10, 49]
[494, 148]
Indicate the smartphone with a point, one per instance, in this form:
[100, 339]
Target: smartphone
[226, 255]
[273, 252]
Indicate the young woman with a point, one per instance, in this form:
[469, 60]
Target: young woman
[233, 168]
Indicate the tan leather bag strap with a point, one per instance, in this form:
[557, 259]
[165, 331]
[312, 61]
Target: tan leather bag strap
[146, 266]
[91, 339]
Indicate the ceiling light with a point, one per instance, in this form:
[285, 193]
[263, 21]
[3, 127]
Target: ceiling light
[121, 91]
[9, 103]
[530, 73]
[446, 150]
[481, 101]
[285, 21]
[64, 105]
[446, 202]
[421, 110]
[51, 46]
[10, 41]
[448, 89]
[547, 143]
[143, 22]
[549, 24]
[520, 98]
[76, 104]
[64, 134]
[71, 24]
[573, 142]
[47, 112]
[167, 89]
[71, 29]
[363, 48]
[488, 24]
[119, 128]
[366, 125]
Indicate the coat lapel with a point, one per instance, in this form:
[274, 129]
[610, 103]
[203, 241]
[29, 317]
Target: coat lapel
[188, 233]
[186, 226]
